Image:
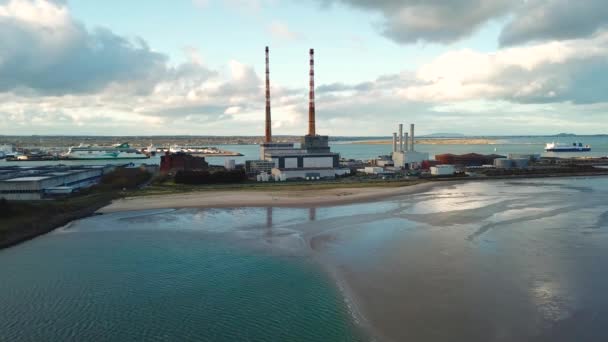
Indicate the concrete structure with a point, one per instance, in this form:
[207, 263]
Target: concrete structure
[37, 183]
[443, 170]
[313, 155]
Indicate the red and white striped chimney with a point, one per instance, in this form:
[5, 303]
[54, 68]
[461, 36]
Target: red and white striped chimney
[268, 116]
[311, 96]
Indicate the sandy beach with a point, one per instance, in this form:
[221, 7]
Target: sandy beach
[249, 198]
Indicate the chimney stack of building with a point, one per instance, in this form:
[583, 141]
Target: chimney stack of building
[311, 97]
[412, 137]
[268, 138]
[400, 137]
[394, 142]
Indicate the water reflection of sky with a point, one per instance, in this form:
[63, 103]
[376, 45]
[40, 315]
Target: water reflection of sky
[524, 257]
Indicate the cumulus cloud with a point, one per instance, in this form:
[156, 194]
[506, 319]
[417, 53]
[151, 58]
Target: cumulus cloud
[408, 21]
[44, 49]
[97, 82]
[555, 19]
[572, 70]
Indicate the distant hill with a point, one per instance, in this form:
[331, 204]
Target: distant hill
[565, 135]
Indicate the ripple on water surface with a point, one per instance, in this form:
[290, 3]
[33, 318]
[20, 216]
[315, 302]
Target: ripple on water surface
[163, 285]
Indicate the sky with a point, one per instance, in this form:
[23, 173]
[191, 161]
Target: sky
[196, 67]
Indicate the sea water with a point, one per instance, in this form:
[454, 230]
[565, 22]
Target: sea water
[514, 260]
[144, 278]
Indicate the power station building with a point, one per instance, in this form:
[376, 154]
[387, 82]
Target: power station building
[313, 159]
[404, 154]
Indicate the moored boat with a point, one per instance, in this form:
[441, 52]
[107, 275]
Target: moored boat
[91, 152]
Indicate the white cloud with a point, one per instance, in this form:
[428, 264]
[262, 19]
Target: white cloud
[97, 82]
[547, 72]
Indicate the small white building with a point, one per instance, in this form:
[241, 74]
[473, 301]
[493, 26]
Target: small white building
[373, 170]
[443, 170]
[384, 163]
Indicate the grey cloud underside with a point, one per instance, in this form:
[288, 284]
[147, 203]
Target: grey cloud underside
[538, 20]
[82, 61]
[409, 21]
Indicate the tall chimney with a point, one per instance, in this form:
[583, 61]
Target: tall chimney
[412, 137]
[394, 142]
[400, 137]
[406, 139]
[311, 96]
[268, 118]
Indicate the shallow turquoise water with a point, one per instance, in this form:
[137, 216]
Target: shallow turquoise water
[501, 261]
[111, 285]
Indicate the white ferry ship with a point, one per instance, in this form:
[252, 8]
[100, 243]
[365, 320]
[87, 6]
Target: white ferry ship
[193, 149]
[574, 147]
[122, 151]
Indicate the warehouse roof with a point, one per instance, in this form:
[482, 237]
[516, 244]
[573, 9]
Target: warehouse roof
[26, 179]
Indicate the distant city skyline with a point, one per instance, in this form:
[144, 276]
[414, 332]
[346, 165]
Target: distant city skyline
[196, 67]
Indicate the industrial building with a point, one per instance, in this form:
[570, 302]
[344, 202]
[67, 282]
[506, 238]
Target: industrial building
[470, 159]
[404, 155]
[530, 156]
[507, 163]
[443, 170]
[37, 183]
[313, 159]
[256, 167]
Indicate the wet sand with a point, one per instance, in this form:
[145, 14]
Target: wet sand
[255, 198]
[493, 261]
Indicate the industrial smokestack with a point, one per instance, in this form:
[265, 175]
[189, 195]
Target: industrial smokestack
[400, 137]
[406, 139]
[394, 142]
[412, 144]
[311, 96]
[268, 138]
